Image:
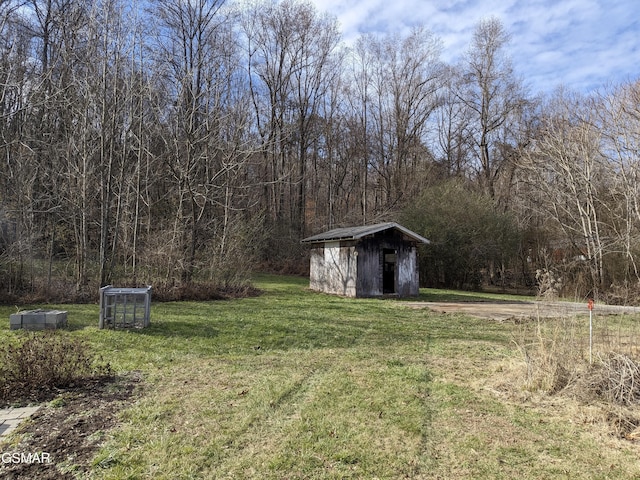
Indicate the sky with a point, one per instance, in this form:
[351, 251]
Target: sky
[583, 45]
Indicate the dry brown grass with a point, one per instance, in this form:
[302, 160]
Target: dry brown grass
[495, 426]
[551, 359]
[556, 368]
[616, 379]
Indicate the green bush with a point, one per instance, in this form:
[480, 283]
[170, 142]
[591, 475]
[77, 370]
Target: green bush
[472, 242]
[42, 363]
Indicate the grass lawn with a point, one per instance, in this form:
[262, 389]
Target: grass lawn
[295, 384]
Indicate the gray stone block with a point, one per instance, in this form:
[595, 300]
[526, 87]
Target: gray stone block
[34, 326]
[15, 321]
[38, 319]
[56, 317]
[33, 317]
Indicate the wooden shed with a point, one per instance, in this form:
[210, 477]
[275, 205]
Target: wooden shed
[366, 261]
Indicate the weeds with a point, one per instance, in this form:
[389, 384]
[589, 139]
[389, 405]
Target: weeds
[549, 284]
[556, 364]
[551, 356]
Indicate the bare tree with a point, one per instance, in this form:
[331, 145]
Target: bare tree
[317, 48]
[186, 46]
[565, 166]
[395, 84]
[291, 59]
[106, 89]
[617, 117]
[359, 85]
[454, 144]
[494, 97]
[60, 132]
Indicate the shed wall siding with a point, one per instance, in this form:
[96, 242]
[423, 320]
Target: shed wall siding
[370, 265]
[407, 271]
[369, 270]
[316, 269]
[369, 282]
[334, 269]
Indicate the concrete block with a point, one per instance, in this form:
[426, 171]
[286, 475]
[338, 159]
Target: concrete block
[34, 317]
[38, 319]
[58, 318]
[15, 321]
[34, 326]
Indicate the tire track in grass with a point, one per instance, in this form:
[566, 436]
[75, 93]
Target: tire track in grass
[335, 417]
[273, 415]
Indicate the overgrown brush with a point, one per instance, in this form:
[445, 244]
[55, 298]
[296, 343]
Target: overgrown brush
[42, 363]
[556, 363]
[549, 284]
[555, 354]
[616, 379]
[552, 361]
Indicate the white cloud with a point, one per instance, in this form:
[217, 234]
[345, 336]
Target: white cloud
[582, 44]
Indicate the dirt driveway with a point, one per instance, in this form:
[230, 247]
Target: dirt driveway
[509, 310]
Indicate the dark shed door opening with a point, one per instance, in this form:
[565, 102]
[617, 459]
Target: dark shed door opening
[389, 271]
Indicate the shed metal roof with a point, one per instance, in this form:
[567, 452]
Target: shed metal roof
[356, 233]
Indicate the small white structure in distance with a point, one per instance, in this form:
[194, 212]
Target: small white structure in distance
[125, 307]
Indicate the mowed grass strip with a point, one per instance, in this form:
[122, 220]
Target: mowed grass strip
[298, 414]
[295, 384]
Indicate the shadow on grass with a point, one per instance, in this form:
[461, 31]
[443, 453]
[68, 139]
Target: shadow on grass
[256, 336]
[253, 335]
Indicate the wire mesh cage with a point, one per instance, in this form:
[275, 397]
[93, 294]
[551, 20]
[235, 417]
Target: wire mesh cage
[125, 307]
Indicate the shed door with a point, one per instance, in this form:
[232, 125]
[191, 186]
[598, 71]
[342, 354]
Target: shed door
[389, 270]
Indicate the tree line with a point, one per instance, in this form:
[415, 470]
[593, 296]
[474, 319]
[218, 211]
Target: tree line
[175, 143]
